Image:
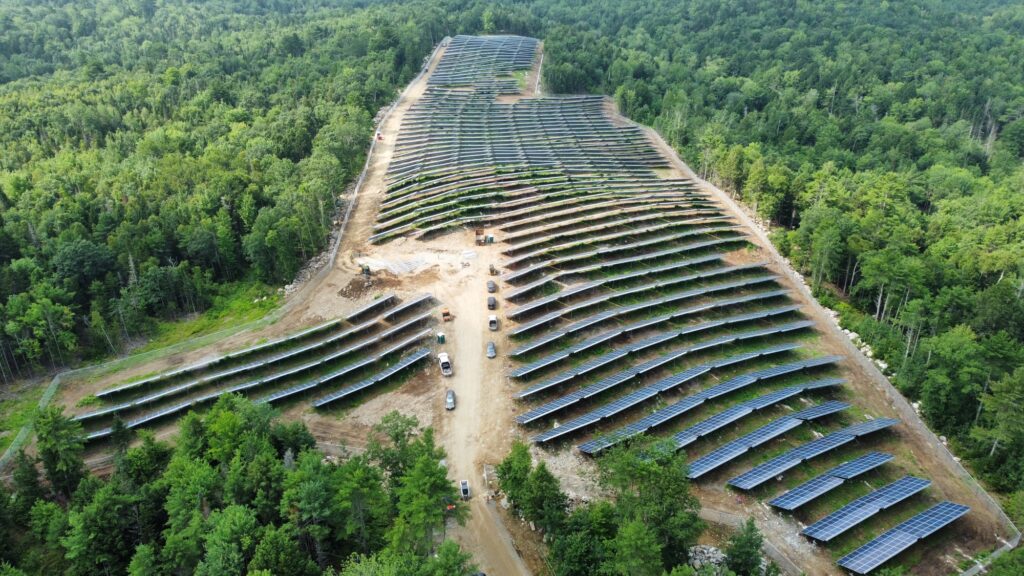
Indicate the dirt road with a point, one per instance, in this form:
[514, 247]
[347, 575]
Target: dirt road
[476, 432]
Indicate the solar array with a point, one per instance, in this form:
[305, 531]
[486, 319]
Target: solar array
[324, 349]
[633, 308]
[864, 507]
[657, 362]
[267, 363]
[888, 545]
[688, 436]
[641, 346]
[764, 472]
[636, 397]
[654, 285]
[471, 59]
[830, 480]
[246, 386]
[707, 426]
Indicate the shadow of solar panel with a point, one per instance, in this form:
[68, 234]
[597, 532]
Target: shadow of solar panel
[903, 536]
[815, 487]
[864, 507]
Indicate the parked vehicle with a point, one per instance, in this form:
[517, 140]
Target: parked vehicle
[492, 286]
[445, 363]
[492, 322]
[449, 400]
[492, 351]
[492, 302]
[464, 489]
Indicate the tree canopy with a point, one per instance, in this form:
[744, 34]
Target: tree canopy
[226, 501]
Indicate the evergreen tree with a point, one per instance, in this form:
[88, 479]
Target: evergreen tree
[743, 553]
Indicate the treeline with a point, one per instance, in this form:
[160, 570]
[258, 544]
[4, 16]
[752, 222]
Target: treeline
[883, 142]
[645, 527]
[239, 493]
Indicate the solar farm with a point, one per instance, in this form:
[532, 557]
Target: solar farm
[632, 301]
[635, 304]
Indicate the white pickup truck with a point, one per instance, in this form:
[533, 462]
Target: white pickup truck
[445, 363]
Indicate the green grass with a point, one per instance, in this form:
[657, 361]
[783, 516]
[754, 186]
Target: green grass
[236, 303]
[16, 412]
[520, 78]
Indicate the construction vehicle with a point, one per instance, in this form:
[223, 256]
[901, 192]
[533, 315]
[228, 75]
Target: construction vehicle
[446, 315]
[480, 238]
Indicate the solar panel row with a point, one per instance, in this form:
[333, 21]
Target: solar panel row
[640, 369]
[688, 436]
[208, 363]
[831, 479]
[772, 468]
[632, 399]
[646, 304]
[245, 386]
[640, 346]
[266, 363]
[736, 448]
[864, 507]
[372, 380]
[903, 536]
[642, 324]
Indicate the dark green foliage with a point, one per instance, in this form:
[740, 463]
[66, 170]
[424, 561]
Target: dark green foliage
[278, 552]
[543, 499]
[146, 162]
[647, 526]
[743, 553]
[224, 502]
[1009, 564]
[60, 446]
[649, 481]
[27, 488]
[514, 472]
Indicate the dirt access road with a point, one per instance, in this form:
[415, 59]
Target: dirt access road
[478, 431]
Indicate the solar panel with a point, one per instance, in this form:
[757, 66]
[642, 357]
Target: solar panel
[806, 492]
[831, 479]
[888, 545]
[208, 363]
[865, 463]
[864, 507]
